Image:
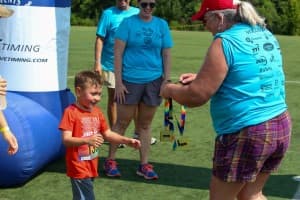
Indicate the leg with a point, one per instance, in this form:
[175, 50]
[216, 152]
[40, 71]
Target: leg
[125, 114]
[223, 190]
[136, 133]
[111, 107]
[253, 191]
[144, 120]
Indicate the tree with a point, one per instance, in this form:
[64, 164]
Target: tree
[282, 17]
[293, 15]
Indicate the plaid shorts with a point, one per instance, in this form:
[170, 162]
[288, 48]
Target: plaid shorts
[241, 156]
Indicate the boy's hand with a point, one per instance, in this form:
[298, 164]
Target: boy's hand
[134, 143]
[95, 140]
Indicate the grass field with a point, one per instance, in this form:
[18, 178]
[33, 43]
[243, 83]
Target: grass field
[184, 173]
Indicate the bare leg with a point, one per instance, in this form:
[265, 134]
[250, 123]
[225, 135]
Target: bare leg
[125, 114]
[136, 133]
[111, 107]
[253, 191]
[220, 190]
[143, 127]
[241, 191]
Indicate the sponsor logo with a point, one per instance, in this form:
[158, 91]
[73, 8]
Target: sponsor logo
[19, 47]
[268, 46]
[262, 61]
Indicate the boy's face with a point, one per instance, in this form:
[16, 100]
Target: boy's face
[89, 96]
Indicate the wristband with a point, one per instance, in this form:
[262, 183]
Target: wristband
[4, 129]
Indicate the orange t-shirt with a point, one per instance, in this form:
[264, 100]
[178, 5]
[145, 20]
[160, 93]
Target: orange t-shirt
[82, 161]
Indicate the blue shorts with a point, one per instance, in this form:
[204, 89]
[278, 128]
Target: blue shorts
[147, 93]
[83, 189]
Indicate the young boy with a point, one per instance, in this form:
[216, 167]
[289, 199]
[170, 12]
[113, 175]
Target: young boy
[84, 129]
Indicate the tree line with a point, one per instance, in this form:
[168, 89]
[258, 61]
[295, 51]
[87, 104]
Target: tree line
[282, 16]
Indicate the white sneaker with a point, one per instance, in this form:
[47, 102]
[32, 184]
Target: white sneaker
[153, 139]
[122, 146]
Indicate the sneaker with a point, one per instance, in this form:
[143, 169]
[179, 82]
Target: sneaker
[146, 170]
[111, 169]
[122, 146]
[153, 139]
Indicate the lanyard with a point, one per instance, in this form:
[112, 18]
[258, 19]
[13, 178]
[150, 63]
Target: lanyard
[168, 119]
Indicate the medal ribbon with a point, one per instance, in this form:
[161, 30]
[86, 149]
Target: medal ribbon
[168, 114]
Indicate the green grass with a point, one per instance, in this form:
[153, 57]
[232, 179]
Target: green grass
[184, 173]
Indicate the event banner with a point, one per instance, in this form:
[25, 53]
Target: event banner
[34, 45]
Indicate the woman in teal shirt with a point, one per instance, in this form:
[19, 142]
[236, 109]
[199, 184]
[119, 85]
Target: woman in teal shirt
[142, 64]
[242, 75]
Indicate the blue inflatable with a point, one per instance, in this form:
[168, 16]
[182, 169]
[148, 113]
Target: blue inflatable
[34, 63]
[34, 119]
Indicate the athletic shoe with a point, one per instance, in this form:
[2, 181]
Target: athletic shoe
[111, 169]
[122, 146]
[146, 170]
[153, 139]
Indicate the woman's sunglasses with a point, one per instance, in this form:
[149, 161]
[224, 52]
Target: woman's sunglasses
[145, 5]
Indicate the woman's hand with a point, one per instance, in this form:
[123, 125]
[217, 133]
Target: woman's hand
[187, 78]
[120, 92]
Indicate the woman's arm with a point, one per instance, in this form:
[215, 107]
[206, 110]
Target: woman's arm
[207, 81]
[118, 62]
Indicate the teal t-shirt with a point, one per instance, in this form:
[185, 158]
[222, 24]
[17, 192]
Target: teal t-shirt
[107, 27]
[254, 88]
[142, 57]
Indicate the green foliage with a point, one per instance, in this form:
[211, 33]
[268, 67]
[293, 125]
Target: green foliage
[282, 17]
[294, 17]
[86, 12]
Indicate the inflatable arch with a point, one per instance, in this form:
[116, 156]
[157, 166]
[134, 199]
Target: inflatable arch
[34, 44]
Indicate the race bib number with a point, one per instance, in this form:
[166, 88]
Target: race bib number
[86, 152]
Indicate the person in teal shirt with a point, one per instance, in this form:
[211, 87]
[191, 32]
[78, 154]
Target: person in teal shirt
[104, 52]
[142, 64]
[104, 48]
[242, 76]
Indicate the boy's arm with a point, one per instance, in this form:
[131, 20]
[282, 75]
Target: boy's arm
[114, 137]
[69, 141]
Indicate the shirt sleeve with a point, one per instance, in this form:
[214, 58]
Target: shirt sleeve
[67, 121]
[123, 31]
[103, 24]
[167, 38]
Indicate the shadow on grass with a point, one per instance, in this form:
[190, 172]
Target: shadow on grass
[282, 186]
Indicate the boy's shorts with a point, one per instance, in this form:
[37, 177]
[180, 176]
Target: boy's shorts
[241, 156]
[109, 79]
[147, 93]
[83, 188]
